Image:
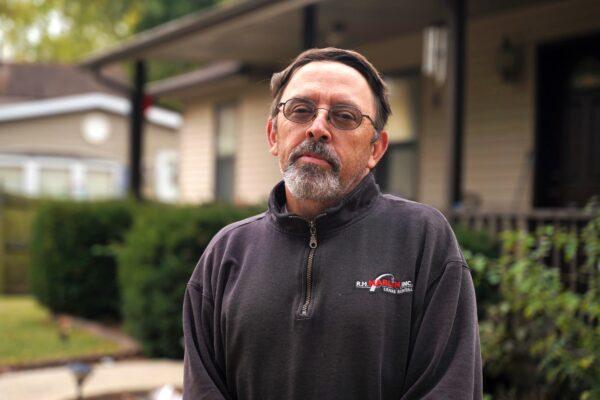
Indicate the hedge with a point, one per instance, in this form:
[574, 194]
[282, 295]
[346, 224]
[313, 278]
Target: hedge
[155, 262]
[540, 340]
[71, 269]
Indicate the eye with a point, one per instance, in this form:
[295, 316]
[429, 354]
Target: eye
[299, 106]
[300, 109]
[344, 114]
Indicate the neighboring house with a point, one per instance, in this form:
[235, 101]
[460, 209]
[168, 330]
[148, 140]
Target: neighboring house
[530, 135]
[64, 135]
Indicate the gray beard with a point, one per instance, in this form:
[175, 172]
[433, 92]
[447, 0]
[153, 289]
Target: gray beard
[312, 182]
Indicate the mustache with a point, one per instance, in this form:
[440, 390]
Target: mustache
[320, 149]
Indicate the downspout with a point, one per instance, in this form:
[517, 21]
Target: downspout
[137, 130]
[309, 33]
[456, 96]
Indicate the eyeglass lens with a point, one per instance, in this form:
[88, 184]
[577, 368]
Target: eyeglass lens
[341, 116]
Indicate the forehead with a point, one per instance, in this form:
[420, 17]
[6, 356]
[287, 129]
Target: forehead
[330, 82]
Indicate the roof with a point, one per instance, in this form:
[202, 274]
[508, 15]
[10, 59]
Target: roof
[23, 82]
[85, 102]
[218, 19]
[270, 32]
[210, 73]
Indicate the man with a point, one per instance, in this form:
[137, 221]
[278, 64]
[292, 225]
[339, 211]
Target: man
[337, 291]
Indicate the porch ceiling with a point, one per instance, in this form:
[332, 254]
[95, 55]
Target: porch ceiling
[269, 32]
[268, 40]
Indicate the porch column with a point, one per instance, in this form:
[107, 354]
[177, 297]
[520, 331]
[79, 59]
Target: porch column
[309, 33]
[455, 95]
[137, 130]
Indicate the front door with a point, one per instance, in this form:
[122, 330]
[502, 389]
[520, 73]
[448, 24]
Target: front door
[568, 128]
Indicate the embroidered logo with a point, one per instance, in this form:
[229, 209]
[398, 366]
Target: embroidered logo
[386, 283]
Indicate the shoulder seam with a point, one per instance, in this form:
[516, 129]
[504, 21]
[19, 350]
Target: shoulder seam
[443, 270]
[233, 226]
[247, 221]
[456, 261]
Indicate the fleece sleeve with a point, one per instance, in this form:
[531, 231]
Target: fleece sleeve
[445, 362]
[202, 377]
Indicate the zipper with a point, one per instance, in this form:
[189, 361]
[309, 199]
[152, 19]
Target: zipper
[312, 243]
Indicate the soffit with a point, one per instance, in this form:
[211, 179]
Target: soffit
[270, 32]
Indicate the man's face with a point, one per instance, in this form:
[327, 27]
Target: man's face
[319, 161]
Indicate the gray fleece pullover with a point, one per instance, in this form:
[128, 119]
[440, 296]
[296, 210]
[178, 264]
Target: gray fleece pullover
[371, 300]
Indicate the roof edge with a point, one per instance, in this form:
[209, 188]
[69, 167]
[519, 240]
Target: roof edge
[210, 73]
[187, 24]
[85, 102]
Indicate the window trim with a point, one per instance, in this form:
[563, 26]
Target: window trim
[33, 165]
[217, 126]
[382, 168]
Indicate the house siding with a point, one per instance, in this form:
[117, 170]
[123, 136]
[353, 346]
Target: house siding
[499, 131]
[197, 153]
[500, 117]
[62, 136]
[256, 170]
[499, 136]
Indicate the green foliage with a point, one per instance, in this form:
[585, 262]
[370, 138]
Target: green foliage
[540, 339]
[64, 30]
[156, 261]
[72, 269]
[478, 246]
[476, 241]
[157, 12]
[16, 214]
[67, 30]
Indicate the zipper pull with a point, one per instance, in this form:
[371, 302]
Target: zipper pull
[313, 235]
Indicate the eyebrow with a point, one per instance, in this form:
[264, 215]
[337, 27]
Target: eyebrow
[340, 103]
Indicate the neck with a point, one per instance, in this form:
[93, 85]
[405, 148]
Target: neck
[307, 209]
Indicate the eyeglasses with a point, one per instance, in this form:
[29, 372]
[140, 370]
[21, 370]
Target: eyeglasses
[344, 117]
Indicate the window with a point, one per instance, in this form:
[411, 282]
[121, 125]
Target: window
[99, 183]
[55, 182]
[397, 172]
[11, 179]
[166, 185]
[60, 176]
[226, 115]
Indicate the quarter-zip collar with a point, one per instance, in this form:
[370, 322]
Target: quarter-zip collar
[354, 204]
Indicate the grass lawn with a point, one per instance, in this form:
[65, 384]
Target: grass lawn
[28, 334]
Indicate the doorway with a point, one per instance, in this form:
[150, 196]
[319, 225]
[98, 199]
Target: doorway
[568, 123]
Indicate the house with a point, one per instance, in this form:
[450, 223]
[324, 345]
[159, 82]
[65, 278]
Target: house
[62, 134]
[495, 104]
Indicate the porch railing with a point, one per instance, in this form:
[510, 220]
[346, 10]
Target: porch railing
[494, 223]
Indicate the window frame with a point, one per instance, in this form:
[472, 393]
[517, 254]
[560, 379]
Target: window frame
[217, 188]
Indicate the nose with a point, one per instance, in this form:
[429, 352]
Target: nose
[318, 130]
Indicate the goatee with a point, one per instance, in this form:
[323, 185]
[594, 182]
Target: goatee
[307, 181]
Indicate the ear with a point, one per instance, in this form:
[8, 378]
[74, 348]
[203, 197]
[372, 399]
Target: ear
[378, 149]
[272, 136]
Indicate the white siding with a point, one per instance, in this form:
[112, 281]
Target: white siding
[197, 153]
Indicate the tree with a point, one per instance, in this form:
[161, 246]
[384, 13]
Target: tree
[70, 30]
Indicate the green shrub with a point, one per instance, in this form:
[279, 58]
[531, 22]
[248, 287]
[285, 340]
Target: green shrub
[540, 339]
[476, 241]
[156, 261]
[71, 270]
[479, 246]
[16, 215]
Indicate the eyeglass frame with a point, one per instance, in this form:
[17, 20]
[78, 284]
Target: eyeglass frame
[283, 103]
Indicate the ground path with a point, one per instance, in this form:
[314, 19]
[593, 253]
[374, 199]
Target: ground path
[109, 377]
